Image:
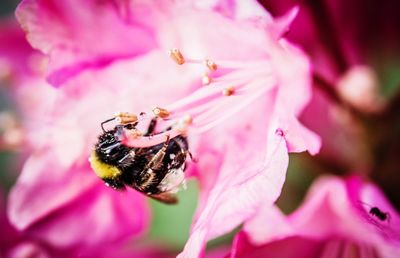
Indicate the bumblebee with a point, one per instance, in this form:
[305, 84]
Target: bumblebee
[155, 171]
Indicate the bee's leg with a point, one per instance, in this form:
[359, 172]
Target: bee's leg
[147, 175]
[178, 160]
[388, 217]
[157, 160]
[152, 127]
[191, 156]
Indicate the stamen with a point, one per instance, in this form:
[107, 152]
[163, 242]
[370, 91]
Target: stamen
[149, 141]
[176, 55]
[134, 133]
[206, 79]
[188, 119]
[210, 64]
[207, 106]
[183, 124]
[125, 118]
[161, 112]
[228, 91]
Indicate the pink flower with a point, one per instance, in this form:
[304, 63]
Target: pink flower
[240, 127]
[340, 218]
[257, 90]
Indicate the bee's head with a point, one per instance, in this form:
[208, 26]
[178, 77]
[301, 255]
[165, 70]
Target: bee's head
[109, 147]
[108, 155]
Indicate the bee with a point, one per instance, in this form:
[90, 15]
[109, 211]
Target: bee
[156, 171]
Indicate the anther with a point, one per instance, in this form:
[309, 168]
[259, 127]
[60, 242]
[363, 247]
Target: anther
[188, 119]
[211, 64]
[161, 112]
[125, 118]
[183, 123]
[206, 80]
[228, 91]
[176, 55]
[134, 134]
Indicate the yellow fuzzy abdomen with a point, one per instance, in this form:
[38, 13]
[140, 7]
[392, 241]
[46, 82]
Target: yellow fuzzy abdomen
[102, 169]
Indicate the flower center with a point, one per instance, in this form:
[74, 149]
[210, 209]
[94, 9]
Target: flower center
[229, 86]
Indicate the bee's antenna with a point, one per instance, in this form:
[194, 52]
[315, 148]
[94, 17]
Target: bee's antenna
[105, 122]
[364, 203]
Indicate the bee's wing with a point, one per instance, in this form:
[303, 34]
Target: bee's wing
[167, 198]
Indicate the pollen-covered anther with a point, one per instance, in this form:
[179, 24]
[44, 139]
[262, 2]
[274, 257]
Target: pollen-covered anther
[161, 112]
[183, 124]
[210, 64]
[176, 55]
[206, 79]
[188, 119]
[125, 118]
[134, 133]
[228, 91]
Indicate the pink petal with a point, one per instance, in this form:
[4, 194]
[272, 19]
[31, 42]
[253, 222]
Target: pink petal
[41, 180]
[69, 33]
[29, 249]
[213, 32]
[267, 225]
[47, 200]
[8, 233]
[337, 131]
[16, 56]
[108, 215]
[299, 137]
[334, 218]
[232, 201]
[281, 25]
[237, 10]
[292, 247]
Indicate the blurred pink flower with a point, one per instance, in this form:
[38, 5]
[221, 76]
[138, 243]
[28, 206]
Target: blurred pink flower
[336, 220]
[337, 50]
[241, 126]
[16, 56]
[16, 244]
[55, 189]
[334, 44]
[251, 103]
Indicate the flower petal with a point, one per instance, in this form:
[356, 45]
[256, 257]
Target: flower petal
[291, 247]
[336, 210]
[69, 33]
[42, 180]
[233, 200]
[108, 215]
